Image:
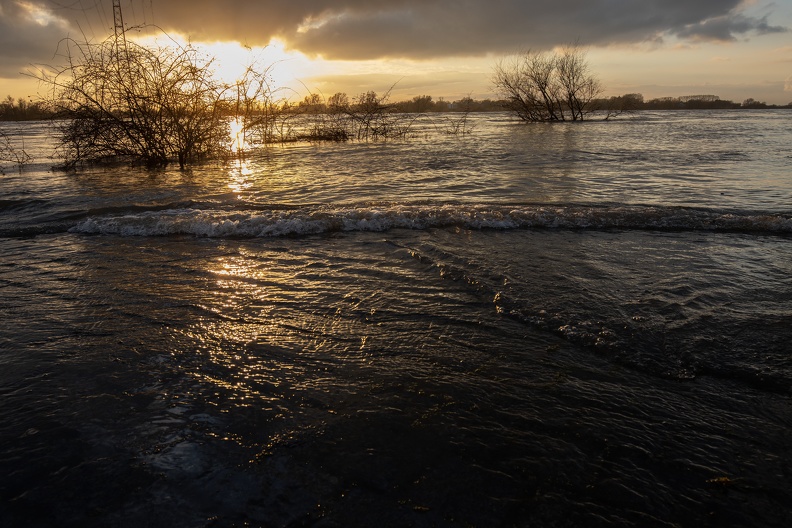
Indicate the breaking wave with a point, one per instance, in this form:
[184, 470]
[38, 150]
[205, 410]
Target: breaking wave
[382, 217]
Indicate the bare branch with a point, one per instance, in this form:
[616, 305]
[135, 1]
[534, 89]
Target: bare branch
[547, 87]
[144, 104]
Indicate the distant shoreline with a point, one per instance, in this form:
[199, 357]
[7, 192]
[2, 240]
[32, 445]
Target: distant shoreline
[482, 107]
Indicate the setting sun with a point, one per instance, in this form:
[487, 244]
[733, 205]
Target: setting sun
[230, 60]
[233, 58]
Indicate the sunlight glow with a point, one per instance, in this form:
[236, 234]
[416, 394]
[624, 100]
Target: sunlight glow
[237, 130]
[286, 68]
[232, 59]
[40, 15]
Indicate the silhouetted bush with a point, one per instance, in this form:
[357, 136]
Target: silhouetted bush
[547, 86]
[124, 101]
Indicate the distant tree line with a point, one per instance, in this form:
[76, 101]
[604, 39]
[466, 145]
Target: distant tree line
[30, 110]
[23, 110]
[420, 104]
[702, 102]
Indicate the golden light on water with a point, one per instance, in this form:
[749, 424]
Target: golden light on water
[240, 178]
[237, 131]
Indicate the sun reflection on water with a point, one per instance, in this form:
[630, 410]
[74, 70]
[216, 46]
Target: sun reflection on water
[240, 178]
[270, 332]
[237, 131]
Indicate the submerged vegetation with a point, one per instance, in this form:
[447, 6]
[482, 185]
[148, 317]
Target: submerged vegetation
[155, 105]
[119, 101]
[547, 86]
[367, 117]
[125, 101]
[10, 153]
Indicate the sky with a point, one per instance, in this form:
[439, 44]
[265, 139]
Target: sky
[735, 49]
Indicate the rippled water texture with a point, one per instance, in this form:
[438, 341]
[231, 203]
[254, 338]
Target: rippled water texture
[583, 325]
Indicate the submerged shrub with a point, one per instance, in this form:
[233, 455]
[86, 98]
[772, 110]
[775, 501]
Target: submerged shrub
[11, 153]
[547, 86]
[123, 101]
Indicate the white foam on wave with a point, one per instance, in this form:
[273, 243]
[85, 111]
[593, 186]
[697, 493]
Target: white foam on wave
[315, 220]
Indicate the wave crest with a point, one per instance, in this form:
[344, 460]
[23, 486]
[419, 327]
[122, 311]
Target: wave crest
[323, 219]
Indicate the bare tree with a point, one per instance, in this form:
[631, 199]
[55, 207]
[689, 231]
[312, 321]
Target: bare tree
[578, 86]
[338, 103]
[261, 116]
[547, 86]
[130, 102]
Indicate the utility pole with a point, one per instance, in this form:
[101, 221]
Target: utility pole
[118, 22]
[119, 29]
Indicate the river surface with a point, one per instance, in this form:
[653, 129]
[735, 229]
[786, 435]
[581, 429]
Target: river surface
[580, 324]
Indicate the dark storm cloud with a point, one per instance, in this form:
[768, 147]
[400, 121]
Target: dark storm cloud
[726, 28]
[370, 29]
[25, 37]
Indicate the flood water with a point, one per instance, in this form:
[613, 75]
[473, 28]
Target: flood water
[580, 324]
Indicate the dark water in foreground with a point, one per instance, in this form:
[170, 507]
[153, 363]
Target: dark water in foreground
[528, 326]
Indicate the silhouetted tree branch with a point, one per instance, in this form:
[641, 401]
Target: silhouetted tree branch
[148, 104]
[547, 86]
[12, 153]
